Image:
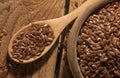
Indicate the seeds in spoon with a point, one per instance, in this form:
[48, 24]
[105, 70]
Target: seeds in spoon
[98, 45]
[32, 41]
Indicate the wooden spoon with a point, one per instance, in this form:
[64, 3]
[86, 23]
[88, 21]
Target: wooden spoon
[58, 25]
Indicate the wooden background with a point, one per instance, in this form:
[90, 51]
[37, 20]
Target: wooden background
[17, 13]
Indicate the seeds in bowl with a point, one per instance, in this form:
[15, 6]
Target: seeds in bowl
[32, 41]
[98, 45]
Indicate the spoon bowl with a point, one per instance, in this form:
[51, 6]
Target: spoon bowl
[58, 25]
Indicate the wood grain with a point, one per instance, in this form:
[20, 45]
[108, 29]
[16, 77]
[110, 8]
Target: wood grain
[13, 15]
[75, 3]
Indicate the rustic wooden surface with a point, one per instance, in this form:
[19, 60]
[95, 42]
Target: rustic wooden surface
[13, 15]
[16, 13]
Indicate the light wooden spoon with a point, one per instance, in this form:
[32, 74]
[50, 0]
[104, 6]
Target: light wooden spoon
[59, 24]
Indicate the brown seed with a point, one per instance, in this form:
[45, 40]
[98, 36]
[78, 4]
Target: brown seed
[5, 32]
[117, 73]
[1, 35]
[50, 39]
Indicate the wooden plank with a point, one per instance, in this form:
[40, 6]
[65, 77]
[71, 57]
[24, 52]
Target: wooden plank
[4, 8]
[17, 14]
[64, 66]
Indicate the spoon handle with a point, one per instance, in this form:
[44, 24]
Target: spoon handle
[85, 9]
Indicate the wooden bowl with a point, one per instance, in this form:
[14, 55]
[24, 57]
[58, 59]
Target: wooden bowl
[71, 48]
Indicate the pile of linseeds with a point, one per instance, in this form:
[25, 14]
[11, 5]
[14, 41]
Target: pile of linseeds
[32, 41]
[98, 46]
